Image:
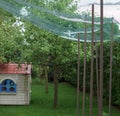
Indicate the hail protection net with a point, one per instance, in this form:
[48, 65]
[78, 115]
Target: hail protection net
[62, 24]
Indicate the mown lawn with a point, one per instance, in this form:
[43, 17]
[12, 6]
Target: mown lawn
[42, 103]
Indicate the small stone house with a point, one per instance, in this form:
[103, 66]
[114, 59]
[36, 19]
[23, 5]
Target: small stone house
[15, 84]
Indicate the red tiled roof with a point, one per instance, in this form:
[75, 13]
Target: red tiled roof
[12, 68]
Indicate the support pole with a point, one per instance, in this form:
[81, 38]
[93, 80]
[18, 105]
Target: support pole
[97, 74]
[78, 78]
[111, 58]
[101, 58]
[84, 71]
[92, 62]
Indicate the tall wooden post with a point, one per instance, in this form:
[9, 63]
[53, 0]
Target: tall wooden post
[78, 78]
[111, 58]
[84, 71]
[101, 58]
[92, 61]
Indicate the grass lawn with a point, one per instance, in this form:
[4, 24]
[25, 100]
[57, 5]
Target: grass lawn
[42, 104]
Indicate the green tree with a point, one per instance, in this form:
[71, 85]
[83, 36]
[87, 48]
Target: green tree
[51, 50]
[10, 40]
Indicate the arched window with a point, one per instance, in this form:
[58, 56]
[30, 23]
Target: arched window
[8, 86]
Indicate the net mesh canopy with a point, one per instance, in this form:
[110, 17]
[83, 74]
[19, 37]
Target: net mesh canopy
[66, 25]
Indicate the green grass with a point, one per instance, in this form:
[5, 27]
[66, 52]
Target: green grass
[42, 103]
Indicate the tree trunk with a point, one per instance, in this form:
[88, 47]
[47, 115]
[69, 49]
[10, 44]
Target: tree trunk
[46, 80]
[55, 88]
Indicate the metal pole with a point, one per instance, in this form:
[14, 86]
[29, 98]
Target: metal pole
[111, 58]
[78, 78]
[101, 57]
[84, 72]
[92, 62]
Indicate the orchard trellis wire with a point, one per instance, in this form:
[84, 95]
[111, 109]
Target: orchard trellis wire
[55, 22]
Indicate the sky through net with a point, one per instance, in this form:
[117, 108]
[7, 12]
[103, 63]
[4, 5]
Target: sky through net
[60, 23]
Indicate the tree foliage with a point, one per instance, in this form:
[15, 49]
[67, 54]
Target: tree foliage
[10, 40]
